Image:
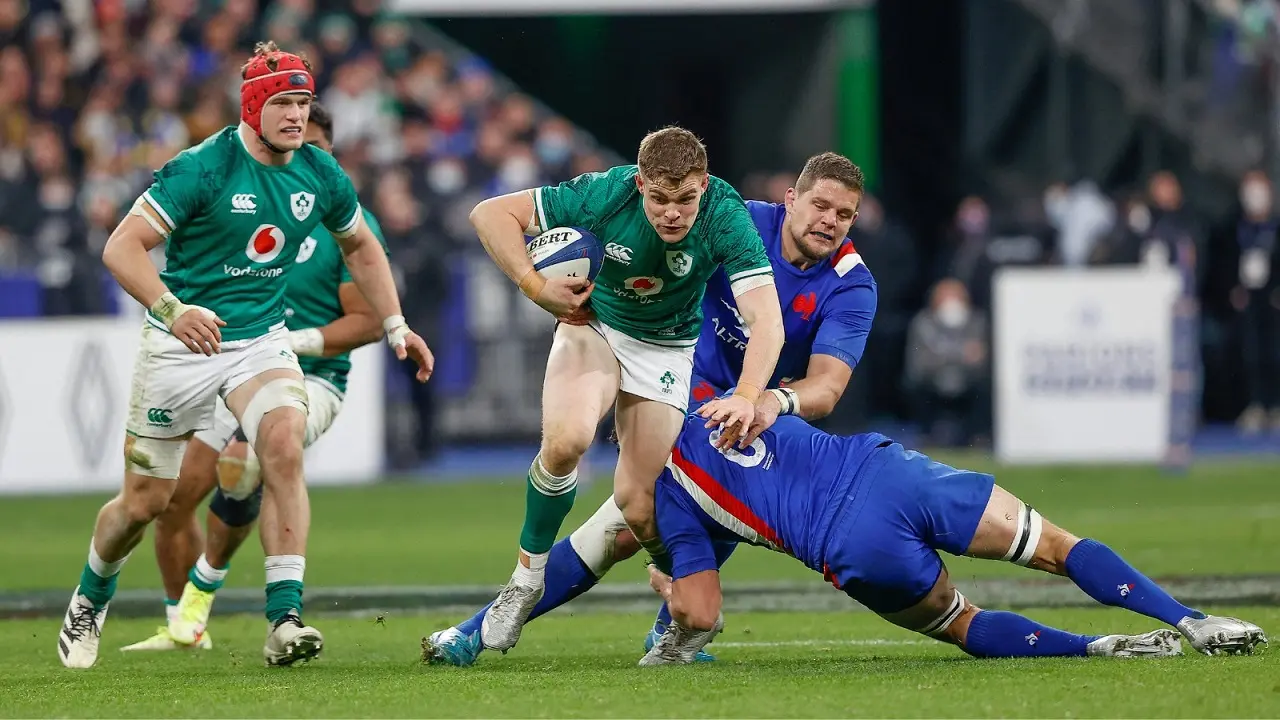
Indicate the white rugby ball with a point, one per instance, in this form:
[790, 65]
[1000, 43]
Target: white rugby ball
[566, 252]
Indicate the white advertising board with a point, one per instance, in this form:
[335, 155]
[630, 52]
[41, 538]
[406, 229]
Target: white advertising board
[64, 393]
[1083, 363]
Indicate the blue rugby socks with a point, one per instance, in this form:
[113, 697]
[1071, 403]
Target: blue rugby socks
[997, 634]
[1107, 578]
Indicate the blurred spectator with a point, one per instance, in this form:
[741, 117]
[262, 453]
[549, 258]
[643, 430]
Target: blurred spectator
[947, 375]
[1256, 297]
[1082, 216]
[977, 246]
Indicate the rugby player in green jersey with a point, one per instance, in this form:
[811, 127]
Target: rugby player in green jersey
[666, 226]
[235, 210]
[327, 318]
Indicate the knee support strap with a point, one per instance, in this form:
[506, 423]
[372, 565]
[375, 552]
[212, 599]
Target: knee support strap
[154, 457]
[233, 512]
[595, 540]
[938, 628]
[1026, 537]
[277, 393]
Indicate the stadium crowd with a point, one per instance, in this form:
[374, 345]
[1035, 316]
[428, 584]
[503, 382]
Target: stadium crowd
[96, 94]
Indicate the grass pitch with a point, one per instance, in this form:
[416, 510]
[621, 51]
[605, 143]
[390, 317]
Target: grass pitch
[1219, 520]
[770, 665]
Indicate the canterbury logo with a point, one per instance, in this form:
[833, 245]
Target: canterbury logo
[160, 416]
[244, 203]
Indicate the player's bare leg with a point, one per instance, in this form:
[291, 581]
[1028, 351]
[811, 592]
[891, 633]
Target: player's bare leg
[120, 526]
[179, 540]
[271, 409]
[580, 385]
[695, 602]
[1013, 531]
[647, 429]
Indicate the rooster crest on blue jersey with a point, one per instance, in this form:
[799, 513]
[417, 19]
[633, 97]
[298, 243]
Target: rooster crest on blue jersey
[841, 287]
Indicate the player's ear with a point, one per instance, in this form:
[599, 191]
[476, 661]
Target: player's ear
[855, 219]
[640, 183]
[789, 198]
[706, 180]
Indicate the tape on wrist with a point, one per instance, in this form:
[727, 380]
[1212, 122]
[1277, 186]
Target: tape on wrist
[532, 283]
[748, 391]
[396, 329]
[788, 401]
[168, 309]
[308, 342]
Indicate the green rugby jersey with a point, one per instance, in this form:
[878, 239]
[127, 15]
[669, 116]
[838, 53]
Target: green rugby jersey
[311, 299]
[647, 288]
[234, 226]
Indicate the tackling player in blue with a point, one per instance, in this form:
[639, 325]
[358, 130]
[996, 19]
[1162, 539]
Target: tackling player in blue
[871, 516]
[828, 299]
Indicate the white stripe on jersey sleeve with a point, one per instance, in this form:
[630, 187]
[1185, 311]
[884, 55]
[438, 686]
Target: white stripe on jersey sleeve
[751, 282]
[349, 228]
[160, 210]
[541, 211]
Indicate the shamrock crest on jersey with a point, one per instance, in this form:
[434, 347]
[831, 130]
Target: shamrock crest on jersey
[648, 288]
[235, 226]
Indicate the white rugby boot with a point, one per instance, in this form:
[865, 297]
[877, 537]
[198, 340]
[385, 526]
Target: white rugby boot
[1217, 635]
[505, 618]
[81, 632]
[162, 640]
[289, 640]
[1157, 643]
[679, 645]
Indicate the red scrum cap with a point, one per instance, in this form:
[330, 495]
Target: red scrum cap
[267, 75]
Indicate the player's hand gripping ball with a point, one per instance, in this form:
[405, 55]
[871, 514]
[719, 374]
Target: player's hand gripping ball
[567, 260]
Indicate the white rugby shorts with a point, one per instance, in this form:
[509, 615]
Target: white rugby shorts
[175, 391]
[323, 405]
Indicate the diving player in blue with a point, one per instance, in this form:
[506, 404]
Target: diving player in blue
[871, 516]
[828, 299]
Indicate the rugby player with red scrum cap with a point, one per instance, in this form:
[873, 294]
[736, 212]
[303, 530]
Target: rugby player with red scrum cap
[235, 210]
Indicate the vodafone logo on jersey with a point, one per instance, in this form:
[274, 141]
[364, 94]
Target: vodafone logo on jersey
[265, 244]
[643, 286]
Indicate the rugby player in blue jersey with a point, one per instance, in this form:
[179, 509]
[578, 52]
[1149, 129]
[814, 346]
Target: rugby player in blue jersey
[828, 299]
[871, 516]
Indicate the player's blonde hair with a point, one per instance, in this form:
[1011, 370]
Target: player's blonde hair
[830, 166]
[268, 49]
[669, 155]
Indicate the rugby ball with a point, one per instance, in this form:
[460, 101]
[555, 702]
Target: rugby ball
[566, 252]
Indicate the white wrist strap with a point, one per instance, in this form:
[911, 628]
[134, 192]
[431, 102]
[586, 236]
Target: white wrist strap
[396, 329]
[308, 342]
[788, 401]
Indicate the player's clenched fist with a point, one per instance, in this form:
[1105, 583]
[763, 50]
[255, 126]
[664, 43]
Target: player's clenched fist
[195, 326]
[564, 297]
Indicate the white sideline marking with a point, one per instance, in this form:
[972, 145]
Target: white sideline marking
[807, 643]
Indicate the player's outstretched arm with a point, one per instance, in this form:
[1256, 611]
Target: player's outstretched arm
[763, 316]
[125, 255]
[358, 326]
[367, 261]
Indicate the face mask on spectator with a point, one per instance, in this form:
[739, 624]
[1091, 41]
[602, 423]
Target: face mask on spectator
[57, 195]
[953, 313]
[973, 221]
[446, 178]
[553, 149]
[518, 172]
[1139, 219]
[1256, 198]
